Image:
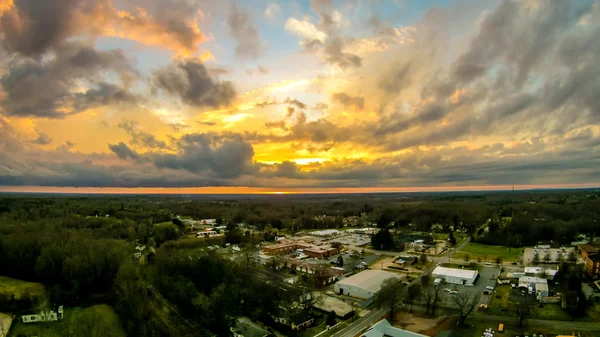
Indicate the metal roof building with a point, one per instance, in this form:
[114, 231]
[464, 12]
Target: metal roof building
[364, 284]
[455, 276]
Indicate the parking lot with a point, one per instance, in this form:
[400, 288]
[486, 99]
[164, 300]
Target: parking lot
[482, 282]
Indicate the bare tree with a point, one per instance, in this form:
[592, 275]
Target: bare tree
[249, 255]
[466, 302]
[525, 308]
[428, 294]
[498, 261]
[390, 295]
[309, 298]
[413, 294]
[439, 295]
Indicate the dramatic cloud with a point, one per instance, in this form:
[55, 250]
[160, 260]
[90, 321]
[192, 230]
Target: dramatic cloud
[225, 156]
[45, 88]
[123, 151]
[347, 100]
[32, 27]
[242, 29]
[42, 139]
[189, 80]
[475, 93]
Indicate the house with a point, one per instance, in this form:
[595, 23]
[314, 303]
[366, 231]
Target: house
[455, 276]
[364, 284]
[383, 328]
[590, 253]
[405, 260]
[296, 319]
[244, 327]
[321, 274]
[44, 316]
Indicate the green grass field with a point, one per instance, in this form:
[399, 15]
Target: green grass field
[97, 320]
[489, 253]
[19, 288]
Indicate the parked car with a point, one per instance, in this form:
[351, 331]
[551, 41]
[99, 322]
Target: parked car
[489, 288]
[453, 292]
[514, 263]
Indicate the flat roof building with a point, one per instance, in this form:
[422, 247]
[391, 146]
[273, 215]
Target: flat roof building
[455, 276]
[364, 284]
[383, 328]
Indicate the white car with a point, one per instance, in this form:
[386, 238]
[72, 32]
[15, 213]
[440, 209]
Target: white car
[489, 288]
[453, 292]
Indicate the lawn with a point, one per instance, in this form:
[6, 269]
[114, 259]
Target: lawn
[97, 320]
[19, 288]
[489, 253]
[500, 303]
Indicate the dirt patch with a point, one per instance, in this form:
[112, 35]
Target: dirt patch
[417, 323]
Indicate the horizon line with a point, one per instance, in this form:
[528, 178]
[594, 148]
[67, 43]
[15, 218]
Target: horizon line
[282, 190]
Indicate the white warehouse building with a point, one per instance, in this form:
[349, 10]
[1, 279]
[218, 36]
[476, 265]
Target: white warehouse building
[364, 284]
[455, 276]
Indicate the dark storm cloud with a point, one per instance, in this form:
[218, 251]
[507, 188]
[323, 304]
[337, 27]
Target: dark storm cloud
[123, 151]
[244, 31]
[44, 88]
[189, 80]
[347, 100]
[35, 25]
[224, 155]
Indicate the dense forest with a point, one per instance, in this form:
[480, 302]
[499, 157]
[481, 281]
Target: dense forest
[81, 247]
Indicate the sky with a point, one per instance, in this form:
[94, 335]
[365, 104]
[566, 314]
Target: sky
[266, 96]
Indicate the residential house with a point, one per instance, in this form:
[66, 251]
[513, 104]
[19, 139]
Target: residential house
[296, 319]
[590, 253]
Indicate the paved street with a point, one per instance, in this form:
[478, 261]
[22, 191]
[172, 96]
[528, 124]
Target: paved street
[362, 323]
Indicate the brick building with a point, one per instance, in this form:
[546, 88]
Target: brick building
[591, 256]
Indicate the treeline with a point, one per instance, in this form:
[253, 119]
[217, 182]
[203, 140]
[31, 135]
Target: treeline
[528, 224]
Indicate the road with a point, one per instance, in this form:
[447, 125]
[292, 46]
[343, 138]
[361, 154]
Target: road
[362, 323]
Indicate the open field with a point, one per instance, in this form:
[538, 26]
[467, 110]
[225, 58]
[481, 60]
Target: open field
[97, 320]
[18, 288]
[489, 253]
[510, 330]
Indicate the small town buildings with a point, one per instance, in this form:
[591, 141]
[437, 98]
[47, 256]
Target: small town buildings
[285, 247]
[455, 276]
[405, 260]
[296, 319]
[383, 328]
[364, 284]
[590, 253]
[321, 274]
[244, 327]
[44, 316]
[320, 252]
[547, 273]
[536, 285]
